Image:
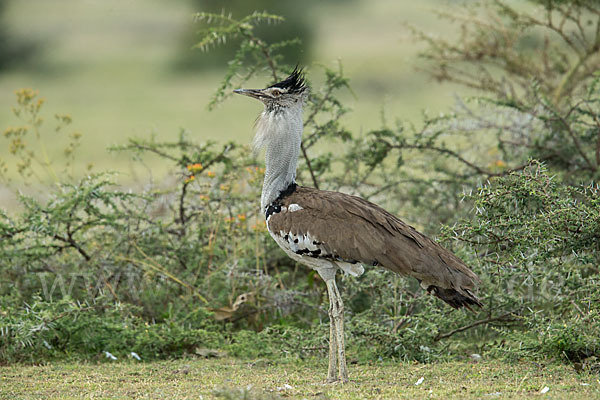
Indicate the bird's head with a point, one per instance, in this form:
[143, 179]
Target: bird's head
[290, 92]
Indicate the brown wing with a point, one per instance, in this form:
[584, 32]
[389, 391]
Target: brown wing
[351, 229]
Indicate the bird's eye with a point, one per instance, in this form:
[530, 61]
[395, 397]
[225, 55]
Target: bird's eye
[276, 93]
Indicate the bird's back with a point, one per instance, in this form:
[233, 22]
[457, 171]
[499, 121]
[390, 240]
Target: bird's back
[324, 225]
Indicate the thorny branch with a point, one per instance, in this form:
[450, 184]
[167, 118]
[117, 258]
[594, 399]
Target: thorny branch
[310, 169]
[491, 44]
[503, 318]
[458, 157]
[72, 243]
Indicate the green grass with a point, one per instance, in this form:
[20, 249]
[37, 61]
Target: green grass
[231, 378]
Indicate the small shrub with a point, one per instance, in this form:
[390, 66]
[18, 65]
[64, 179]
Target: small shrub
[188, 263]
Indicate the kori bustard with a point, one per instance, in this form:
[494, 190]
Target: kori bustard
[331, 231]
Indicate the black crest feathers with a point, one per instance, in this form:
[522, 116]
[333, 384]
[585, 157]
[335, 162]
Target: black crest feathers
[293, 83]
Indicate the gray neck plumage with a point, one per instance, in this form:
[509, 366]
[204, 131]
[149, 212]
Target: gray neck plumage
[280, 131]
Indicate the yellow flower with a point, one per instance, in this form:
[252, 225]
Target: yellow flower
[242, 217]
[211, 174]
[197, 167]
[24, 96]
[189, 179]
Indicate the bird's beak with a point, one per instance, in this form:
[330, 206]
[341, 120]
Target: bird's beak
[256, 93]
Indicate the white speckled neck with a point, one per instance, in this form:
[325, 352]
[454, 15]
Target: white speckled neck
[280, 130]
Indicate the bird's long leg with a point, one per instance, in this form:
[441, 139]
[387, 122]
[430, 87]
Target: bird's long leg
[332, 372]
[336, 341]
[338, 316]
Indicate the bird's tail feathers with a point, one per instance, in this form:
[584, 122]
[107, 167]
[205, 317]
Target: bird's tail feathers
[457, 299]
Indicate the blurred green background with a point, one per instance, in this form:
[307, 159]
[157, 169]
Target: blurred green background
[127, 68]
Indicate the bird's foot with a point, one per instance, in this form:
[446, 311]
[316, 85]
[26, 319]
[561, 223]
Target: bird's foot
[337, 380]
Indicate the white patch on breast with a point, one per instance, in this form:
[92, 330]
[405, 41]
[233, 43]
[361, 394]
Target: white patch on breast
[309, 250]
[301, 242]
[292, 244]
[294, 207]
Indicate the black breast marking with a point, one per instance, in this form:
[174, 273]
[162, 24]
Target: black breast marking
[275, 206]
[272, 209]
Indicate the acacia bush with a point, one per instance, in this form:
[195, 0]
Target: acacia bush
[187, 266]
